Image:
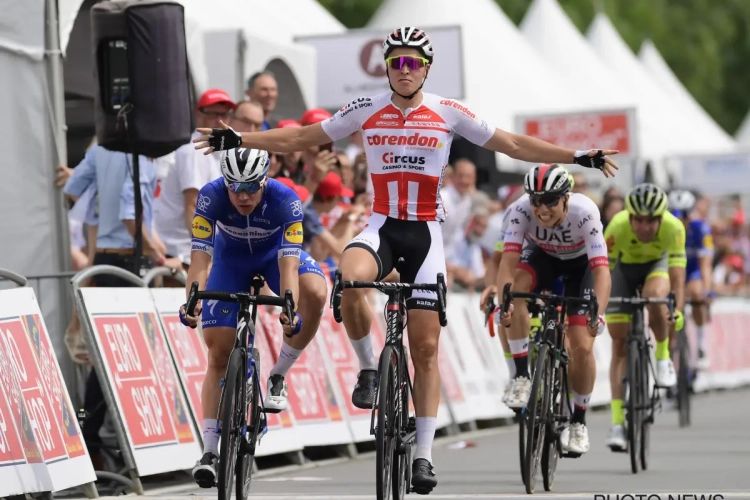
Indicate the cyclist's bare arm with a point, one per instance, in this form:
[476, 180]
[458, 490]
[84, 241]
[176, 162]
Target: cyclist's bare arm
[289, 276]
[707, 272]
[198, 271]
[490, 277]
[280, 140]
[677, 282]
[602, 286]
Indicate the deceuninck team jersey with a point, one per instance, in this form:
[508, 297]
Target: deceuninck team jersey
[698, 243]
[624, 246]
[274, 227]
[579, 234]
[407, 152]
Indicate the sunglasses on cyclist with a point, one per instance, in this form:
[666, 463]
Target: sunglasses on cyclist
[411, 62]
[245, 187]
[549, 201]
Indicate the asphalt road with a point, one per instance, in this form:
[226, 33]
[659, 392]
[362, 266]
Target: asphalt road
[712, 457]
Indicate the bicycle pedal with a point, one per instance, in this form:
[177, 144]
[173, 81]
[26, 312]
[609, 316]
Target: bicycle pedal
[272, 410]
[421, 490]
[570, 454]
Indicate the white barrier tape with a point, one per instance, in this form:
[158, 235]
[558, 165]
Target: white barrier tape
[41, 447]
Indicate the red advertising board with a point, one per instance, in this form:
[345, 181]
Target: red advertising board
[190, 356]
[11, 451]
[604, 129]
[125, 348]
[37, 402]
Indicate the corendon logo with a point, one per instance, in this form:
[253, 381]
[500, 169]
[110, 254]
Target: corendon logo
[403, 140]
[390, 158]
[463, 109]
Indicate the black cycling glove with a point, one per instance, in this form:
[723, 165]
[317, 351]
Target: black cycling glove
[223, 139]
[583, 159]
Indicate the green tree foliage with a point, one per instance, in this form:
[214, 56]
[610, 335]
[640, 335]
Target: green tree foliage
[705, 42]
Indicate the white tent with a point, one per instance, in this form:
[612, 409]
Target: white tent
[743, 133]
[503, 76]
[699, 119]
[654, 105]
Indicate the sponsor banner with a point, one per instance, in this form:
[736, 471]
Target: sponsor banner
[41, 447]
[360, 51]
[140, 372]
[313, 402]
[712, 174]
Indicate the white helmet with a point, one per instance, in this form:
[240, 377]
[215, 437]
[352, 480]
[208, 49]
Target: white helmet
[244, 165]
[682, 200]
[409, 36]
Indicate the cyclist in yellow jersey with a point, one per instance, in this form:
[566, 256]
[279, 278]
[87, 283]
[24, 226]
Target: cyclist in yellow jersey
[645, 246]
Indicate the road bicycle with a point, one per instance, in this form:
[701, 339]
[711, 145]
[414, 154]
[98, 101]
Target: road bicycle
[642, 398]
[394, 429]
[544, 416]
[241, 428]
[686, 371]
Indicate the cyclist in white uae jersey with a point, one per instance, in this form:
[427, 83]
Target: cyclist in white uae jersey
[407, 137]
[565, 238]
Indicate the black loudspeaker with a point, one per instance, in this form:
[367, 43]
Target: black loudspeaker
[484, 159]
[141, 73]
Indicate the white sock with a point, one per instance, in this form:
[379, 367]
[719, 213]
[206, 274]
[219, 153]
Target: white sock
[519, 346]
[581, 400]
[365, 354]
[511, 365]
[425, 436]
[699, 333]
[287, 357]
[210, 436]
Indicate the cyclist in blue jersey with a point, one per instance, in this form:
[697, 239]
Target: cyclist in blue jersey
[248, 224]
[699, 247]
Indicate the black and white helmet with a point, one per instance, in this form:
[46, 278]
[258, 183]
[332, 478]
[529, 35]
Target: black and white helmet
[244, 165]
[547, 179]
[681, 200]
[409, 36]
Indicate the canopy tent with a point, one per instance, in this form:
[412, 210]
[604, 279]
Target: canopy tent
[503, 76]
[743, 133]
[698, 118]
[654, 104]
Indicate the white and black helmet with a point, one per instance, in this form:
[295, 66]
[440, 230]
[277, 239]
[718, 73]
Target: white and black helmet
[409, 36]
[547, 179]
[682, 200]
[244, 165]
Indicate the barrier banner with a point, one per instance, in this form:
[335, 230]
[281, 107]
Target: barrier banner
[186, 345]
[312, 400]
[41, 447]
[141, 375]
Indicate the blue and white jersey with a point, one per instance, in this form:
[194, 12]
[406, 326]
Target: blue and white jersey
[275, 226]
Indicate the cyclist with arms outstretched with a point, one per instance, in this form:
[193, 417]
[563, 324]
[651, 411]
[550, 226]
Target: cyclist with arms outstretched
[407, 136]
[646, 247]
[565, 239]
[699, 249]
[247, 224]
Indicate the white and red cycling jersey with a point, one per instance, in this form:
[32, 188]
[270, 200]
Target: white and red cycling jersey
[579, 234]
[407, 152]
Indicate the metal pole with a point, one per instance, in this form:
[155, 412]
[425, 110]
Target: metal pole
[240, 65]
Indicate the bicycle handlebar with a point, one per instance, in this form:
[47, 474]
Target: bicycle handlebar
[386, 287]
[592, 303]
[489, 308]
[244, 299]
[669, 301]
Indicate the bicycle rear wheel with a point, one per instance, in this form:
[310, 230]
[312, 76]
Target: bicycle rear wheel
[521, 416]
[231, 420]
[647, 415]
[244, 467]
[634, 414]
[401, 456]
[537, 414]
[385, 441]
[683, 379]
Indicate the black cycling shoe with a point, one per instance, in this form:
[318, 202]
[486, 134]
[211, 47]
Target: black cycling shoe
[363, 395]
[423, 478]
[204, 472]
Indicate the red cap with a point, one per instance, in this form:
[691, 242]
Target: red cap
[215, 96]
[314, 115]
[287, 124]
[301, 191]
[332, 185]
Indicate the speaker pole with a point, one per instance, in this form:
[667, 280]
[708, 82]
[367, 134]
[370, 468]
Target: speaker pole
[138, 236]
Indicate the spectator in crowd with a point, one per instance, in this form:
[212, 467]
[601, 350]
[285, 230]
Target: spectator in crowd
[361, 182]
[286, 164]
[110, 171]
[581, 185]
[316, 161]
[262, 88]
[457, 198]
[175, 207]
[728, 275]
[464, 259]
[247, 117]
[355, 146]
[702, 205]
[610, 206]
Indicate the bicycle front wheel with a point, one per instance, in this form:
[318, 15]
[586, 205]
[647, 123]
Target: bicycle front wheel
[552, 449]
[537, 415]
[244, 468]
[231, 420]
[683, 379]
[387, 428]
[635, 413]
